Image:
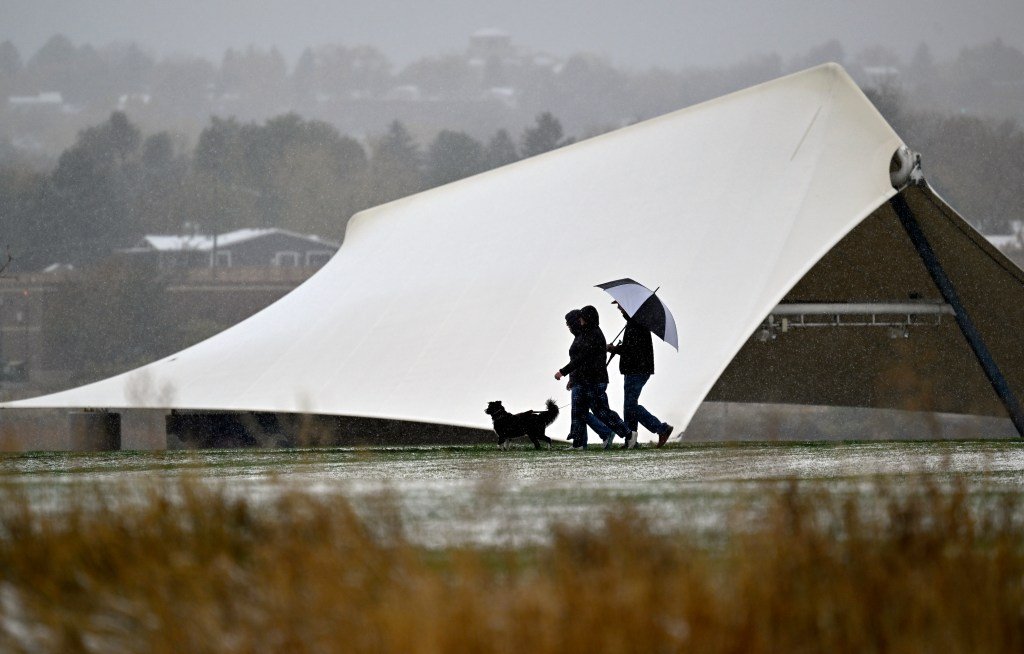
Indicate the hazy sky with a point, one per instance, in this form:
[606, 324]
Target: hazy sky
[638, 33]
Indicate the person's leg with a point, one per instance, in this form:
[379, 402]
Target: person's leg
[602, 430]
[574, 395]
[599, 405]
[631, 387]
[599, 427]
[591, 394]
[635, 412]
[580, 410]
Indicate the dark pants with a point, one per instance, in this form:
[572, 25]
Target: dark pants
[632, 411]
[592, 397]
[599, 427]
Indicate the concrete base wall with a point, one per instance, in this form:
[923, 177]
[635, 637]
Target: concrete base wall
[51, 429]
[94, 431]
[211, 429]
[741, 421]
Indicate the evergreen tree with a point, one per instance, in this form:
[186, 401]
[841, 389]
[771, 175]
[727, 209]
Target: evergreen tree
[21, 192]
[546, 135]
[452, 156]
[58, 51]
[157, 202]
[395, 169]
[316, 178]
[398, 145]
[288, 172]
[85, 205]
[117, 138]
[501, 150]
[53, 67]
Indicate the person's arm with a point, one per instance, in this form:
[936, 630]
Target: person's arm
[585, 347]
[568, 368]
[576, 356]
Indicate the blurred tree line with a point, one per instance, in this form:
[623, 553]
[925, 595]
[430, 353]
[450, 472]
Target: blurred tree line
[976, 164]
[358, 90]
[118, 180]
[115, 185]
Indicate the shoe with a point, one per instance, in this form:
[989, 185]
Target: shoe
[664, 434]
[608, 441]
[580, 447]
[631, 441]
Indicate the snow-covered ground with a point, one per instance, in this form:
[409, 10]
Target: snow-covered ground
[449, 495]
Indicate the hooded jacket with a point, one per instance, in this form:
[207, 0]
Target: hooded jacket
[586, 354]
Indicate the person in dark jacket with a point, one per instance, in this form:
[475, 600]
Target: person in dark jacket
[587, 368]
[572, 320]
[636, 363]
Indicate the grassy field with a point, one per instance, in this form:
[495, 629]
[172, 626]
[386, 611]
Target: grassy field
[716, 548]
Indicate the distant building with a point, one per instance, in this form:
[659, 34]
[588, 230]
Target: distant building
[880, 75]
[243, 248]
[255, 267]
[487, 43]
[1009, 242]
[49, 100]
[129, 101]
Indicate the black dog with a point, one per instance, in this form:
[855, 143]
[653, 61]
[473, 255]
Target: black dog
[529, 423]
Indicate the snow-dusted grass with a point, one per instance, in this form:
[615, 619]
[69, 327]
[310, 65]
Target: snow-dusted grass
[182, 565]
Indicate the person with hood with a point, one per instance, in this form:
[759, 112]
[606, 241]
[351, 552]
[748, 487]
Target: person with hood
[587, 368]
[636, 363]
[572, 320]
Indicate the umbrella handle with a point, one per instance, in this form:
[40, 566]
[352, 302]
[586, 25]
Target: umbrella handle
[609, 362]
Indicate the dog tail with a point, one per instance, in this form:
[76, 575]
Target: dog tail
[551, 413]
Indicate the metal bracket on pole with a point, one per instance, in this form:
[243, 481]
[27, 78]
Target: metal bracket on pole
[970, 332]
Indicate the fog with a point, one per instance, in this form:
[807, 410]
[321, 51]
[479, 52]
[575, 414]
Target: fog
[126, 118]
[667, 33]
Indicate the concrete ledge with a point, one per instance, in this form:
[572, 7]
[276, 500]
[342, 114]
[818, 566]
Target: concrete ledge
[94, 431]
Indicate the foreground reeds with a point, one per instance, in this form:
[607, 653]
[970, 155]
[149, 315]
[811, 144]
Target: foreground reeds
[924, 571]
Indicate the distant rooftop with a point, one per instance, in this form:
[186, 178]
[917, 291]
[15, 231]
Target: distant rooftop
[48, 98]
[204, 242]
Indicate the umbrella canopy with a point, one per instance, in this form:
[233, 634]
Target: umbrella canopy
[645, 308]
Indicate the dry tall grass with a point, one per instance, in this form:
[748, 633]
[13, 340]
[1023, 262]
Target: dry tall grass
[932, 571]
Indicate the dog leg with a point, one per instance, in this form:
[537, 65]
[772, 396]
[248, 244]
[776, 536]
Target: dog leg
[534, 439]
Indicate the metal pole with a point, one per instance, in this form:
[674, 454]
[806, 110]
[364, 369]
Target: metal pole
[970, 332]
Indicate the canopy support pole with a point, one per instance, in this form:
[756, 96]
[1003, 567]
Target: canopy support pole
[970, 332]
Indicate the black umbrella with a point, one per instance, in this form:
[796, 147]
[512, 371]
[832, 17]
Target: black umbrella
[645, 308]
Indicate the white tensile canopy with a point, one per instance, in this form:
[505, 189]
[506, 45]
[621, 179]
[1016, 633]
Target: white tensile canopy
[445, 300]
